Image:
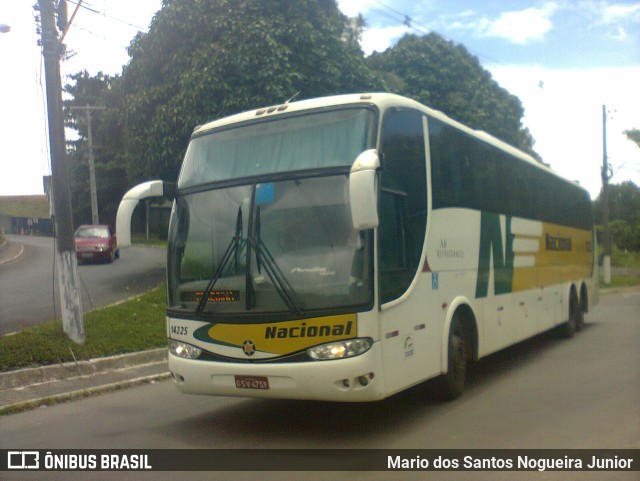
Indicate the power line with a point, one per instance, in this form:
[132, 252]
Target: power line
[412, 24]
[111, 17]
[80, 4]
[406, 19]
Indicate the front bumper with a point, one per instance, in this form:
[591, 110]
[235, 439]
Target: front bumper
[357, 378]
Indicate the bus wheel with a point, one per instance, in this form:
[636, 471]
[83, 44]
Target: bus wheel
[581, 310]
[569, 328]
[453, 381]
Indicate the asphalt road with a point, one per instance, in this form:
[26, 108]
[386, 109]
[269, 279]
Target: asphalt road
[544, 393]
[28, 285]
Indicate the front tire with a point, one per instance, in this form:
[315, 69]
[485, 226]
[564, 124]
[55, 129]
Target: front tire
[453, 382]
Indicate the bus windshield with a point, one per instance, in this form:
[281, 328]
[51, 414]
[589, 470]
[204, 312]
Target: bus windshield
[265, 243]
[303, 142]
[285, 246]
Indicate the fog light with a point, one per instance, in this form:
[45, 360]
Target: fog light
[340, 349]
[363, 380]
[184, 350]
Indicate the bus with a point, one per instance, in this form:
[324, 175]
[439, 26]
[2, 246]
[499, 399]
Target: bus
[347, 248]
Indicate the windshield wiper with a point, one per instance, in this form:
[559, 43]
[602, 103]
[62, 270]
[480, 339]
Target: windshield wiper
[266, 260]
[231, 252]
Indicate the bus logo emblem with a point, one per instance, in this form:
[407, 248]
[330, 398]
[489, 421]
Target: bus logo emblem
[248, 347]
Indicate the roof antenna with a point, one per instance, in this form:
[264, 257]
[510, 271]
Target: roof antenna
[294, 96]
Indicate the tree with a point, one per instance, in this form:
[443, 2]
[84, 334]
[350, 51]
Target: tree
[444, 76]
[107, 129]
[633, 135]
[624, 205]
[202, 60]
[206, 59]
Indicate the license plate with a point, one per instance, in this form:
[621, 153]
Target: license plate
[86, 255]
[252, 382]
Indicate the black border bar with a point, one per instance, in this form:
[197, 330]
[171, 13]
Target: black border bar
[21, 459]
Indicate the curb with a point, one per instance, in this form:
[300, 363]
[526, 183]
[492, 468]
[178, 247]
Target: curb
[10, 251]
[605, 291]
[43, 374]
[41, 386]
[49, 400]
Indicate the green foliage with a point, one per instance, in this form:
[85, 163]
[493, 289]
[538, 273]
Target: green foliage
[132, 326]
[624, 215]
[444, 76]
[107, 133]
[633, 135]
[204, 60]
[626, 260]
[625, 236]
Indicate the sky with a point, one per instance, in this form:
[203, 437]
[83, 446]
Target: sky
[563, 59]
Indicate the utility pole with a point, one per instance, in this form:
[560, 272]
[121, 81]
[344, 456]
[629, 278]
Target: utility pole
[70, 301]
[606, 175]
[92, 168]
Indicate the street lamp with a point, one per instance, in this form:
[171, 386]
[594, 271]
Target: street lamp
[4, 28]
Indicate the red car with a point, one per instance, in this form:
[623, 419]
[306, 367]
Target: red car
[96, 243]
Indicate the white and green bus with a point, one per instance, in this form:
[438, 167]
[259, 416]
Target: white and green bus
[347, 248]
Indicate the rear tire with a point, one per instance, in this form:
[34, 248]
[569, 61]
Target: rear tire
[453, 382]
[569, 328]
[581, 310]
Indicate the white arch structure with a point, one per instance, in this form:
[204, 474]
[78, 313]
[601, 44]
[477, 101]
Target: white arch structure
[153, 188]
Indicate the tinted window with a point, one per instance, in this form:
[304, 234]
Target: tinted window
[403, 201]
[467, 172]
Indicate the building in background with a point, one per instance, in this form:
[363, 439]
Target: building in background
[25, 214]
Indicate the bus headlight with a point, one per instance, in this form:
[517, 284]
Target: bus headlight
[184, 350]
[340, 349]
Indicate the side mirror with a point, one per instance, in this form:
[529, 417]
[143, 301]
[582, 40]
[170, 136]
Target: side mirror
[153, 188]
[362, 190]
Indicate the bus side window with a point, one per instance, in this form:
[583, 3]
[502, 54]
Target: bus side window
[403, 202]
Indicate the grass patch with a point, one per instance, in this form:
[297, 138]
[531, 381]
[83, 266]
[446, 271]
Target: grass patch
[621, 281]
[625, 269]
[131, 326]
[625, 259]
[154, 241]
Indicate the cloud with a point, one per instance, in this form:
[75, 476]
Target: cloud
[609, 14]
[518, 26]
[351, 8]
[379, 39]
[618, 18]
[522, 26]
[620, 34]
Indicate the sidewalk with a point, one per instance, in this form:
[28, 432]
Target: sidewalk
[32, 387]
[29, 388]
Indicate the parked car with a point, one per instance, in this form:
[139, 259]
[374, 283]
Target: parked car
[96, 243]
